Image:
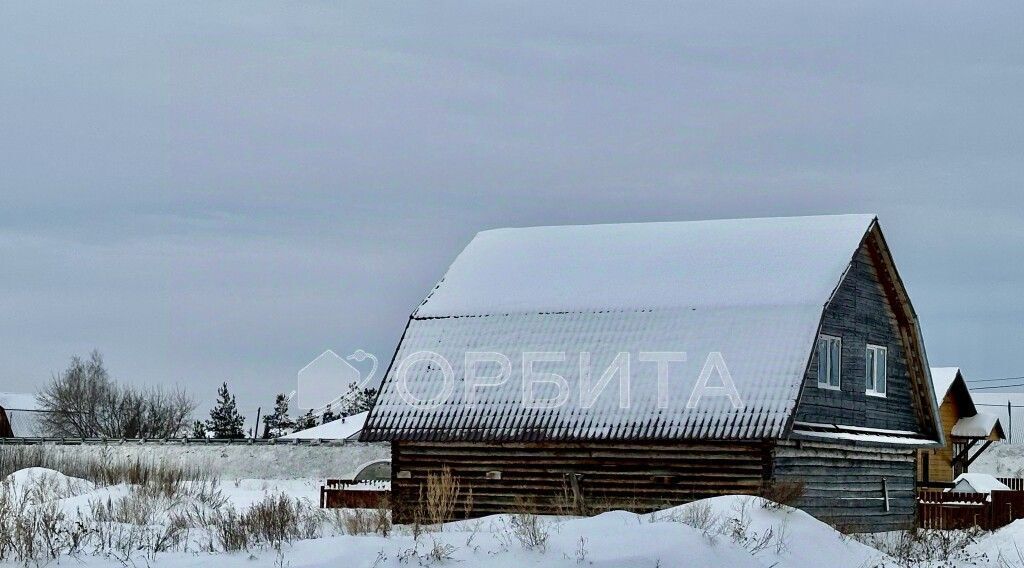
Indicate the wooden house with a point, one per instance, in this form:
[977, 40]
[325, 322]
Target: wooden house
[967, 431]
[760, 354]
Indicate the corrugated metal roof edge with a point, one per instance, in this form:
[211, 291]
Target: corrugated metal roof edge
[371, 418]
[433, 435]
[373, 433]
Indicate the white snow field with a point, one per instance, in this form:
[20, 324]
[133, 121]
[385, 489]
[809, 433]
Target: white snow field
[1001, 460]
[195, 523]
[725, 531]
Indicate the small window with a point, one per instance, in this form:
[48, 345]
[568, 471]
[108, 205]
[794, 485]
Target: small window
[830, 358]
[875, 370]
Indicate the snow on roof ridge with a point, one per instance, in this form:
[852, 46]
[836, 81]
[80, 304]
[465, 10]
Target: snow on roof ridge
[868, 216]
[761, 261]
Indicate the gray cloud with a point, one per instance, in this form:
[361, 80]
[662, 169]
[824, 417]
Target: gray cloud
[221, 192]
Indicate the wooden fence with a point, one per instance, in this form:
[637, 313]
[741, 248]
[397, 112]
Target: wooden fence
[1015, 483]
[348, 494]
[955, 510]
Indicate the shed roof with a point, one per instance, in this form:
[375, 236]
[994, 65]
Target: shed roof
[981, 425]
[752, 290]
[977, 483]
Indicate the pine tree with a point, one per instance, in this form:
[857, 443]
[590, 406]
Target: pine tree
[307, 420]
[225, 421]
[278, 423]
[356, 401]
[198, 429]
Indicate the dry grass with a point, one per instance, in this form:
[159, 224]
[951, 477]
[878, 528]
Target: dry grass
[442, 495]
[275, 520]
[778, 493]
[104, 469]
[163, 507]
[926, 547]
[529, 530]
[362, 521]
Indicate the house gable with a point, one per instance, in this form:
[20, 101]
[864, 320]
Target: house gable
[869, 307]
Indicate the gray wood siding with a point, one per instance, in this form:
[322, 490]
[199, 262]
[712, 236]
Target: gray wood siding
[843, 484]
[860, 314]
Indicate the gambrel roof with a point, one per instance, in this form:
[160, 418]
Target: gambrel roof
[753, 290]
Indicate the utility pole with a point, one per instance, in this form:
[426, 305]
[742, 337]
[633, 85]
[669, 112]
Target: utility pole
[256, 429]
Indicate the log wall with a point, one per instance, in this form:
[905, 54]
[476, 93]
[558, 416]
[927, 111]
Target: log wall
[539, 476]
[843, 484]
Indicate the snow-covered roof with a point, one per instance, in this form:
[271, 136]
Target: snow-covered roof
[942, 380]
[783, 261]
[978, 483]
[752, 290]
[978, 426]
[18, 401]
[23, 413]
[995, 403]
[340, 429]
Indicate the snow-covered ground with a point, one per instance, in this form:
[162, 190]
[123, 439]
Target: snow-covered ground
[726, 531]
[1001, 460]
[735, 531]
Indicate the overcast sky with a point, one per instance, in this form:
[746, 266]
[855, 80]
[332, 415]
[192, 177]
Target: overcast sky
[209, 192]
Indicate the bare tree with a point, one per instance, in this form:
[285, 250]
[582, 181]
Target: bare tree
[84, 402]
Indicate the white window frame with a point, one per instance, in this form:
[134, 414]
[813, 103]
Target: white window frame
[869, 370]
[824, 382]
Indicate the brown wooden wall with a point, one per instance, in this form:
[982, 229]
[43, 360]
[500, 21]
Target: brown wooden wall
[632, 476]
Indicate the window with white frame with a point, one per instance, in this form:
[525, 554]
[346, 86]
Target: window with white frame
[875, 369]
[830, 362]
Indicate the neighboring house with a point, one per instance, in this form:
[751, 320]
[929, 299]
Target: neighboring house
[805, 317]
[19, 415]
[347, 428]
[968, 432]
